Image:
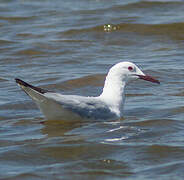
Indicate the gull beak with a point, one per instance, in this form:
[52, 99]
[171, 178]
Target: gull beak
[148, 78]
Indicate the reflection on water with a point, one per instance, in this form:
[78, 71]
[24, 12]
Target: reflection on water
[69, 47]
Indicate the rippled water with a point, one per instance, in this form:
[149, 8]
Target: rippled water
[69, 46]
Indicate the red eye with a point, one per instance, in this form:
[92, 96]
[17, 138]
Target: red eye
[130, 68]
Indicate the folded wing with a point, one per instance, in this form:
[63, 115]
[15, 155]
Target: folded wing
[66, 107]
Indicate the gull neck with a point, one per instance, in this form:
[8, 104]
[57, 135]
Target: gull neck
[113, 92]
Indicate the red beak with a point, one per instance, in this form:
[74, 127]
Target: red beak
[149, 78]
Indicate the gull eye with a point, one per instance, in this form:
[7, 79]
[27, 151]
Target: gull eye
[130, 68]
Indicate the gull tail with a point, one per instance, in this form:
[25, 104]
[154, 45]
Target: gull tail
[48, 106]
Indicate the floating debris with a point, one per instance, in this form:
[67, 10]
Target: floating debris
[110, 27]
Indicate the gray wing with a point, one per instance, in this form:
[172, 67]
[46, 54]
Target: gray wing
[87, 107]
[54, 105]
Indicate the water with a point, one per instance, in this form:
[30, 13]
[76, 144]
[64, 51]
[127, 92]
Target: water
[69, 46]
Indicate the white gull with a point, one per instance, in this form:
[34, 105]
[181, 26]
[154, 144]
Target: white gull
[108, 105]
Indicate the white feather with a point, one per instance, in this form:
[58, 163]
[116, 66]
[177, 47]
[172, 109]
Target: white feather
[109, 105]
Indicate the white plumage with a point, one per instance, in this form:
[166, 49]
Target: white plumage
[108, 105]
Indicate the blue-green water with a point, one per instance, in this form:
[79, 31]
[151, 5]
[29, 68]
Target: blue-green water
[69, 46]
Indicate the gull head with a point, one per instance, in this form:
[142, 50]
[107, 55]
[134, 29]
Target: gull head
[113, 92]
[127, 71]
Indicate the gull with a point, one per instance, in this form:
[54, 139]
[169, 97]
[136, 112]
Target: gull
[108, 105]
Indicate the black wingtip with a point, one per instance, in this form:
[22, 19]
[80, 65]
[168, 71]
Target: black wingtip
[23, 83]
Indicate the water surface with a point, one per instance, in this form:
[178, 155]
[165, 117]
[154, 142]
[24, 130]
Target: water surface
[69, 46]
